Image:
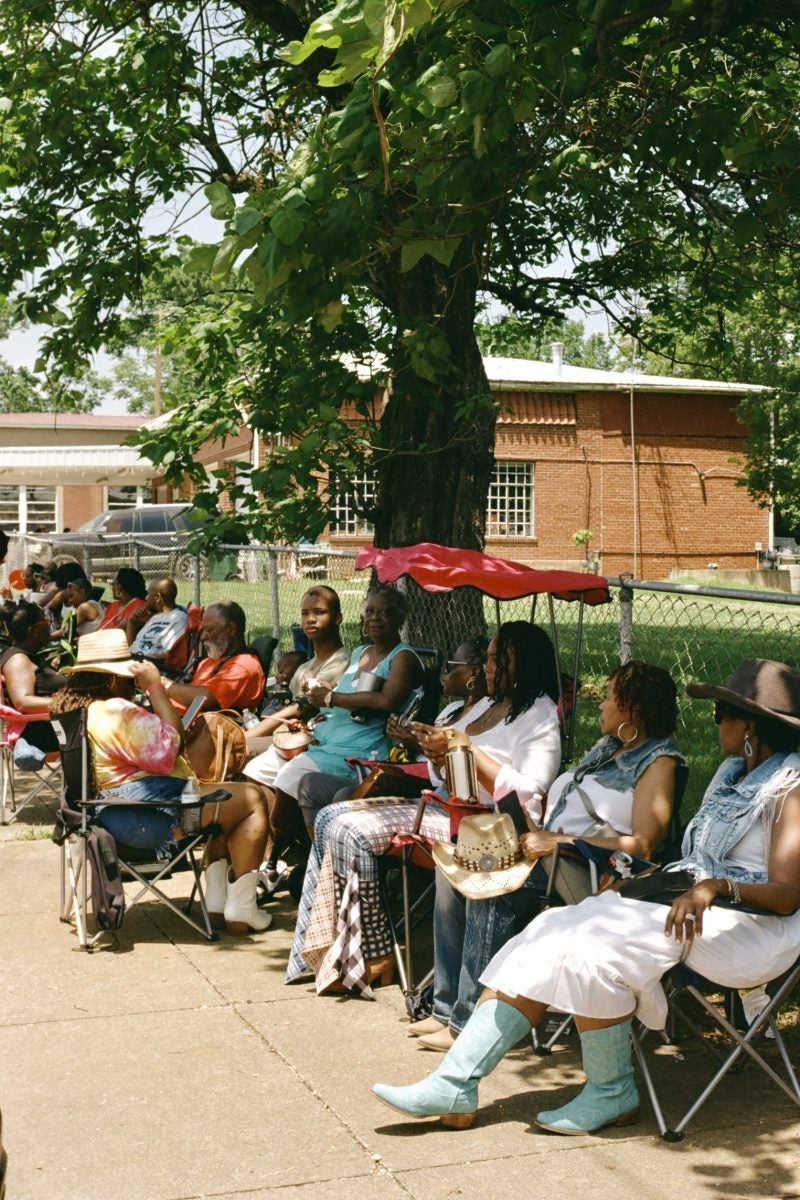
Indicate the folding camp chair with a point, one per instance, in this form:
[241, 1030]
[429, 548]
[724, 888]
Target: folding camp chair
[75, 825]
[741, 1047]
[558, 1024]
[48, 780]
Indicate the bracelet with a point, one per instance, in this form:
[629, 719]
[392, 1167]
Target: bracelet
[155, 687]
[329, 699]
[733, 890]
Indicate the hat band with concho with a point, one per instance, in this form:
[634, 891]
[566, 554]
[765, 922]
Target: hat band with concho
[487, 862]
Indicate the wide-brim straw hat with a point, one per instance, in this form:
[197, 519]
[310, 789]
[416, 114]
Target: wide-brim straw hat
[761, 686]
[487, 860]
[106, 651]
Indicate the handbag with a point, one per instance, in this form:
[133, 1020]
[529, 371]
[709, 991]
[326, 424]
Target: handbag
[388, 779]
[216, 746]
[567, 875]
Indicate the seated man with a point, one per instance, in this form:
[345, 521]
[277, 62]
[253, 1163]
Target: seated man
[230, 675]
[165, 625]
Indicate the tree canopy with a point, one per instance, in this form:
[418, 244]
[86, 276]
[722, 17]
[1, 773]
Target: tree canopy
[379, 169]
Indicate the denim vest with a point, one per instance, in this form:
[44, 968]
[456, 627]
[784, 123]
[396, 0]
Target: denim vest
[620, 772]
[731, 806]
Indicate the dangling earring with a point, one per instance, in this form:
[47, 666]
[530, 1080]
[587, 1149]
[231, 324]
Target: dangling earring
[748, 746]
[632, 738]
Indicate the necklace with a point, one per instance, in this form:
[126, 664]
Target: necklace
[493, 715]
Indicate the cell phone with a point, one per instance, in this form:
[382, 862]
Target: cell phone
[510, 803]
[192, 711]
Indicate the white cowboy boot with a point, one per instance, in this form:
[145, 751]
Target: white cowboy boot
[242, 914]
[216, 891]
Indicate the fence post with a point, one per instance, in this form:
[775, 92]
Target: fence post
[625, 621]
[133, 550]
[197, 577]
[274, 599]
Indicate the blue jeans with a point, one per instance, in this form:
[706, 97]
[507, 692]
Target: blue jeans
[143, 828]
[466, 936]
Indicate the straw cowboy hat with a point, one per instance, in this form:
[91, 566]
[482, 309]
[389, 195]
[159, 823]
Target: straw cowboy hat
[106, 651]
[758, 685]
[487, 860]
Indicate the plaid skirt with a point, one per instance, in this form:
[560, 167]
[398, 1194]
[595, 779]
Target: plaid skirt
[341, 922]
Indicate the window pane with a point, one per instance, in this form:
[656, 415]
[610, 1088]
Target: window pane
[509, 510]
[9, 507]
[41, 509]
[349, 500]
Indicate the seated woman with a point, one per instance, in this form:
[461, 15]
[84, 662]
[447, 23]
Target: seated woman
[128, 610]
[354, 725]
[137, 755]
[619, 796]
[29, 682]
[516, 740]
[603, 959]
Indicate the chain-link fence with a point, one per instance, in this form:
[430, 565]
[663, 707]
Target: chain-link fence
[695, 633]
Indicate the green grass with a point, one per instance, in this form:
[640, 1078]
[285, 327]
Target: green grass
[694, 637]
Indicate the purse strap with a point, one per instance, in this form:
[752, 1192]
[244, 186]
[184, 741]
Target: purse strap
[587, 804]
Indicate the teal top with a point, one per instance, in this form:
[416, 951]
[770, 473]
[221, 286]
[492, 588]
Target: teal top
[339, 736]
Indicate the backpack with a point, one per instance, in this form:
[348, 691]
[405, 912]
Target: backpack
[108, 897]
[184, 656]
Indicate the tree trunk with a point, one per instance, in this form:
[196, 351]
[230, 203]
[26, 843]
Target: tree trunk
[436, 438]
[437, 435]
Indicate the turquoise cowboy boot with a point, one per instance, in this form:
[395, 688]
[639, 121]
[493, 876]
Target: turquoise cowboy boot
[451, 1092]
[610, 1096]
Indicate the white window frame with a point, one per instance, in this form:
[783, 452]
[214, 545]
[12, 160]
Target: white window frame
[510, 502]
[343, 520]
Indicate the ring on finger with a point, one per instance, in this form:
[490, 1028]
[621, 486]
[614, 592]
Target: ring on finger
[690, 917]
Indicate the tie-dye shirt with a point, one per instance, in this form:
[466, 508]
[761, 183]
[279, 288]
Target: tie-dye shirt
[128, 743]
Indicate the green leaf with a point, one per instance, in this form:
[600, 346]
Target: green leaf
[498, 61]
[441, 92]
[287, 225]
[201, 258]
[221, 201]
[331, 315]
[440, 249]
[245, 220]
[224, 258]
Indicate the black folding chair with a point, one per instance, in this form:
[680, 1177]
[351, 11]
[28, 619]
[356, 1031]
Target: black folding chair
[743, 1045]
[74, 826]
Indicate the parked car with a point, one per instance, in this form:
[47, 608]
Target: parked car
[153, 538]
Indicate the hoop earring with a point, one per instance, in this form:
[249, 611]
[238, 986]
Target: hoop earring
[748, 746]
[632, 738]
[471, 684]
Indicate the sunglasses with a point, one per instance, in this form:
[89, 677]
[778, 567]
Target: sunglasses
[724, 711]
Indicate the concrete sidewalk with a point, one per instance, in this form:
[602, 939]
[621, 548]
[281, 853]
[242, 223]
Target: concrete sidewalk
[173, 1069]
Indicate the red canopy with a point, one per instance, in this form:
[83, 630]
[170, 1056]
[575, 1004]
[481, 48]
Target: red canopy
[442, 568]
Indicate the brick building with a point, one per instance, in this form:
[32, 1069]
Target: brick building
[649, 464]
[58, 470]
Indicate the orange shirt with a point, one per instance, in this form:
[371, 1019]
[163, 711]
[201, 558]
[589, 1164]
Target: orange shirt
[238, 683]
[116, 616]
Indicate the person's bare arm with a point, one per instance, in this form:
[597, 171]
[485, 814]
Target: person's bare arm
[405, 673]
[184, 694]
[19, 675]
[148, 679]
[780, 894]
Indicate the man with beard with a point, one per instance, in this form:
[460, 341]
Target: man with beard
[230, 675]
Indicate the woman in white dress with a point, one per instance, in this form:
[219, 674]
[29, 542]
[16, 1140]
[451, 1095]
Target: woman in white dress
[603, 959]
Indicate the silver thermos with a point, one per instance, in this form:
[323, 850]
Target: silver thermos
[460, 775]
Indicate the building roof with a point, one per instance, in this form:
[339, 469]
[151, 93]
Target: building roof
[87, 465]
[57, 420]
[522, 374]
